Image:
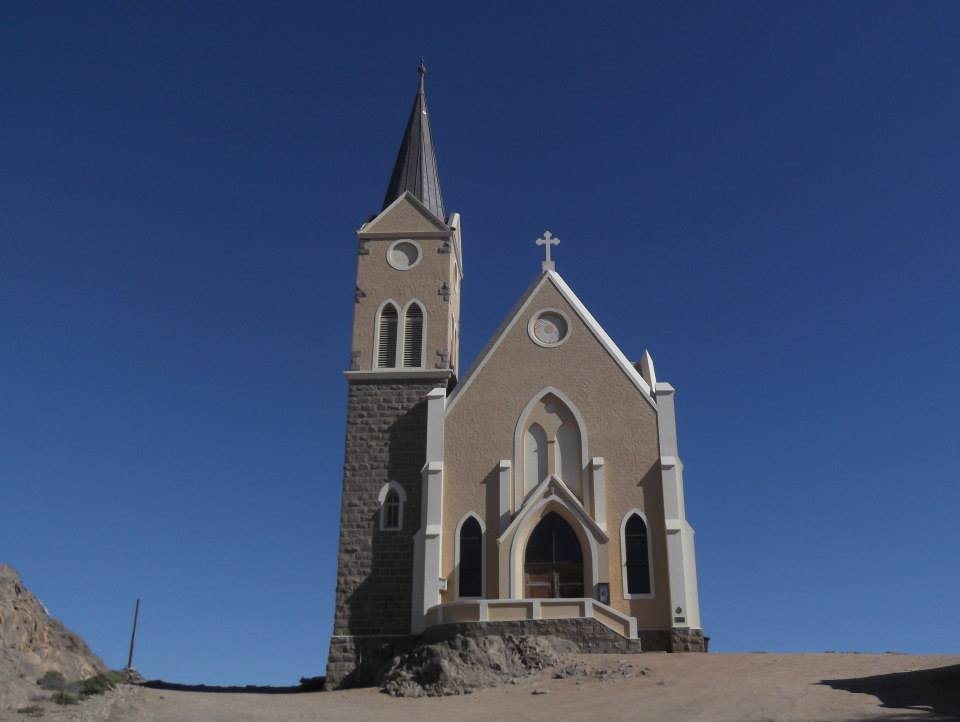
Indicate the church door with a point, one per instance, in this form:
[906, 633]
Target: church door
[553, 563]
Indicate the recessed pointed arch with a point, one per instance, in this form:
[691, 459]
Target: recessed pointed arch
[521, 491]
[414, 334]
[524, 527]
[636, 556]
[386, 335]
[392, 499]
[470, 557]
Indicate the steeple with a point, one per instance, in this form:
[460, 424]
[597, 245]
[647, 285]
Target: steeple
[416, 166]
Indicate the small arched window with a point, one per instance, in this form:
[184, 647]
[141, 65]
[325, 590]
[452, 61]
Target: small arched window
[470, 580]
[392, 499]
[387, 337]
[636, 555]
[413, 337]
[391, 511]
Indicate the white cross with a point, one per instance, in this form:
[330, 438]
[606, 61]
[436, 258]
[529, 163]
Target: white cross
[548, 240]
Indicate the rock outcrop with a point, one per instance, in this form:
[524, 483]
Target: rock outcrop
[33, 644]
[463, 664]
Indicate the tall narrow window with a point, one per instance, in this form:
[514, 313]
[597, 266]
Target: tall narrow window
[413, 337]
[387, 338]
[391, 511]
[568, 447]
[470, 582]
[636, 549]
[534, 457]
[392, 499]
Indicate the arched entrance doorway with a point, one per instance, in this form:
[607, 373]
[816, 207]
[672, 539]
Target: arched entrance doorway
[553, 561]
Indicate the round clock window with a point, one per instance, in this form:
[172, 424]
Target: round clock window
[403, 255]
[549, 327]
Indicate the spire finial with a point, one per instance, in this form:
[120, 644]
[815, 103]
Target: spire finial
[548, 240]
[415, 169]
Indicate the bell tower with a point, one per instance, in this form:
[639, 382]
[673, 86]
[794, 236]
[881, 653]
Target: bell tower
[405, 344]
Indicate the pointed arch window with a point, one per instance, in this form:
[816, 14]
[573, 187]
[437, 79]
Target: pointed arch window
[387, 337]
[413, 336]
[550, 438]
[392, 499]
[635, 546]
[534, 457]
[470, 558]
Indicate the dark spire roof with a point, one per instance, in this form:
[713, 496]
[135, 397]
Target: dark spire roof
[416, 166]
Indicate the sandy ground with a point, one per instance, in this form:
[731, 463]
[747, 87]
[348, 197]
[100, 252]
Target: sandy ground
[664, 688]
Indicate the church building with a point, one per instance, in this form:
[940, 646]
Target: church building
[539, 491]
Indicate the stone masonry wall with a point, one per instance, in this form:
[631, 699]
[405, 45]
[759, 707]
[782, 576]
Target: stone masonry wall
[385, 441]
[588, 634]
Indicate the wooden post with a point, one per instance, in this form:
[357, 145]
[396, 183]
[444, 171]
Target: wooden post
[133, 634]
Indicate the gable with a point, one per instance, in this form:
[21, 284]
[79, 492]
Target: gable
[589, 348]
[405, 216]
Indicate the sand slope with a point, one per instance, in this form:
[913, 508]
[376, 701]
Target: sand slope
[675, 687]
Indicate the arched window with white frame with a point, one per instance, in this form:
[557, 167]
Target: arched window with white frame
[636, 556]
[392, 498]
[413, 324]
[387, 329]
[469, 557]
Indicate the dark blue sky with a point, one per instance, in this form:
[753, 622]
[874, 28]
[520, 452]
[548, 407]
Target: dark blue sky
[763, 194]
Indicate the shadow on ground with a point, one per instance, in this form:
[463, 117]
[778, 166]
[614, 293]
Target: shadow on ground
[924, 694]
[307, 684]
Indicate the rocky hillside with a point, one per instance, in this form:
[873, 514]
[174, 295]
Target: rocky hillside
[33, 643]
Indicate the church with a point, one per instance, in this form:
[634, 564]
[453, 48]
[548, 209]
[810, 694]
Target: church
[540, 491]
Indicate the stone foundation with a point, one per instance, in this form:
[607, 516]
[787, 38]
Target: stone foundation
[357, 661]
[588, 634]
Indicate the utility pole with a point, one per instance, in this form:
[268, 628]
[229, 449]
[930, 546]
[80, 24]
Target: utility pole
[133, 634]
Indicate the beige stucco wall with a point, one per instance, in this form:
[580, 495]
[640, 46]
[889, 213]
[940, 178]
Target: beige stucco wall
[380, 281]
[621, 427]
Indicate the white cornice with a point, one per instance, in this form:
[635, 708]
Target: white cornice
[389, 374]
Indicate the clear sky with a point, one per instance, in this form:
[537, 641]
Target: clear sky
[764, 194]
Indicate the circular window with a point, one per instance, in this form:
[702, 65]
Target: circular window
[403, 255]
[549, 327]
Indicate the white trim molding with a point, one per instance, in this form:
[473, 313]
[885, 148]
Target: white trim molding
[505, 467]
[681, 554]
[382, 497]
[427, 542]
[521, 428]
[384, 374]
[623, 555]
[483, 556]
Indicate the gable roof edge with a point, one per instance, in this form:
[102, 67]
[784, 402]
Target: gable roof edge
[602, 336]
[442, 227]
[589, 321]
[487, 351]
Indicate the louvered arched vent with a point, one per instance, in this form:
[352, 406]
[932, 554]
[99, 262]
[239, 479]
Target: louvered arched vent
[387, 338]
[413, 337]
